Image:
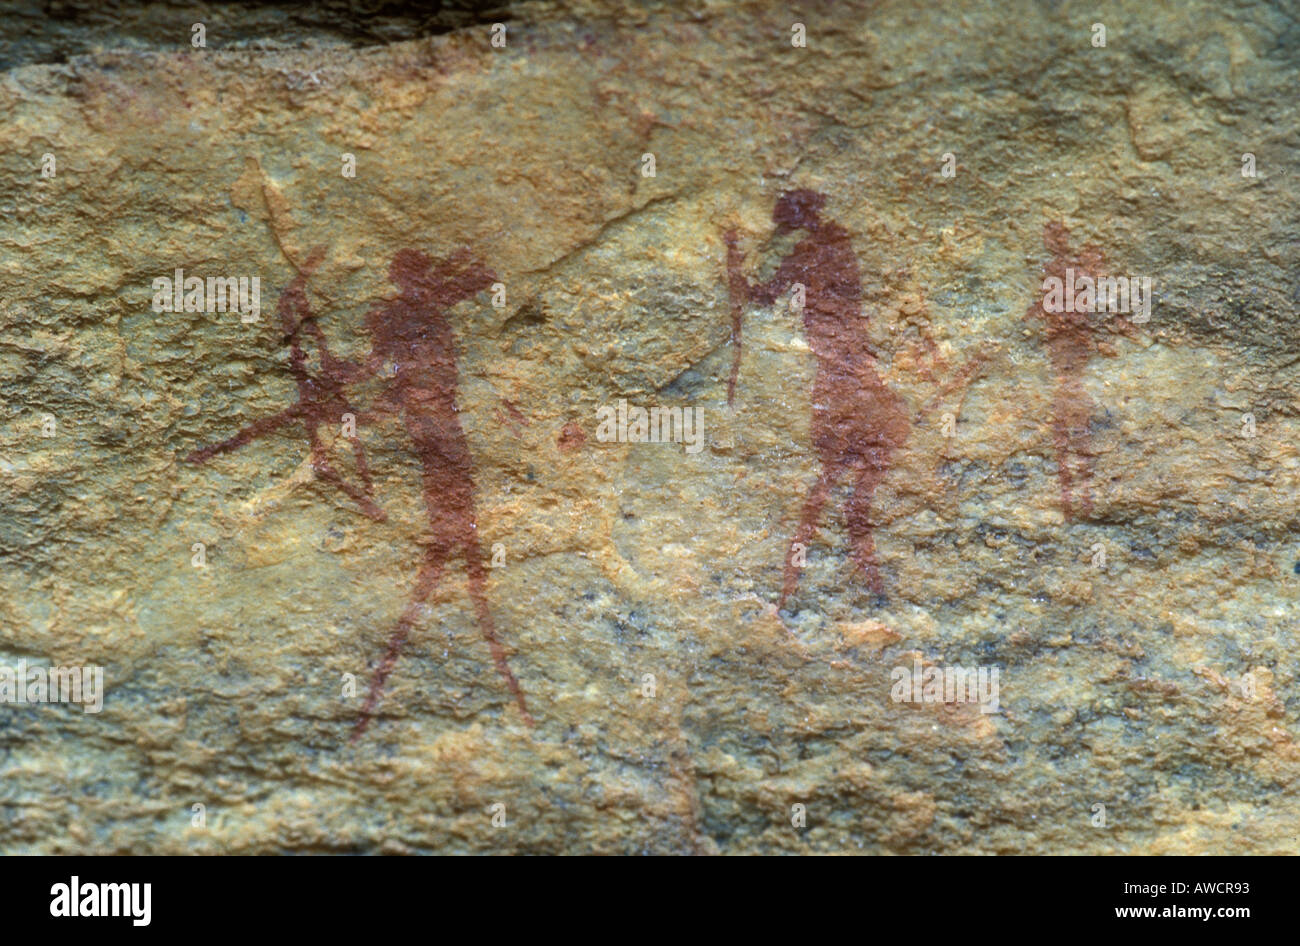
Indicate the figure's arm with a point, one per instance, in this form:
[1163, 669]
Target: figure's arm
[742, 289]
[293, 307]
[346, 371]
[246, 436]
[784, 277]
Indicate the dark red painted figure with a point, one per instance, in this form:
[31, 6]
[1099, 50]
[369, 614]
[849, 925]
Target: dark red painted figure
[321, 401]
[857, 421]
[1069, 337]
[414, 353]
[412, 335]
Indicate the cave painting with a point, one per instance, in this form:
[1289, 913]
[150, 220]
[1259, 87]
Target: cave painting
[413, 335]
[413, 353]
[1069, 337]
[321, 399]
[858, 422]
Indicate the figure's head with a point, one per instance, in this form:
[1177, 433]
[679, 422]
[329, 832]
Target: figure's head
[449, 281]
[798, 210]
[429, 287]
[410, 268]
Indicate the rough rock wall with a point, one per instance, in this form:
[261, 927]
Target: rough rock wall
[697, 684]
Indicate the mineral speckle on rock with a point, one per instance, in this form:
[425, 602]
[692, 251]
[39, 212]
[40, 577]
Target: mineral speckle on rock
[607, 427]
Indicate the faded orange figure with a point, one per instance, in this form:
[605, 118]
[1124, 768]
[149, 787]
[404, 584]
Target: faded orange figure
[1069, 336]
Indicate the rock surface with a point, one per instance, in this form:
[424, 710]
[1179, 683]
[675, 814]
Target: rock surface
[1143, 626]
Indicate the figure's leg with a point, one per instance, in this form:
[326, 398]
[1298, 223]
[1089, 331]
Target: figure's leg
[363, 467]
[425, 582]
[1063, 443]
[812, 510]
[254, 430]
[1082, 449]
[857, 515]
[1073, 437]
[478, 592]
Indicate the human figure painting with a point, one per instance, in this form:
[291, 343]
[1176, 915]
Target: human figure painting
[858, 422]
[413, 353]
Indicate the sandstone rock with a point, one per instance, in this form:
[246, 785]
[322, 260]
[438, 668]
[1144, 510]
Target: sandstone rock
[1143, 628]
